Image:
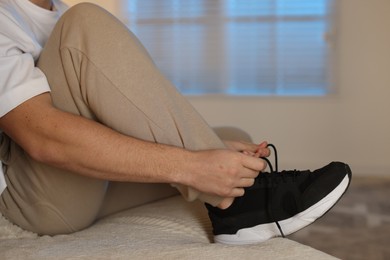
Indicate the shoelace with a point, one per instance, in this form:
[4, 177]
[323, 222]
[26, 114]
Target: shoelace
[275, 159]
[272, 171]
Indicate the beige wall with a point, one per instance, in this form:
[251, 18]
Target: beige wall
[351, 125]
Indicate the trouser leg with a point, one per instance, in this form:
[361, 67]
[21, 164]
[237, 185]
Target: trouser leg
[97, 69]
[44, 199]
[111, 79]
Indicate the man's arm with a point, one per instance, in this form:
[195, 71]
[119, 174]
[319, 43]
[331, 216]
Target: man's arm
[86, 147]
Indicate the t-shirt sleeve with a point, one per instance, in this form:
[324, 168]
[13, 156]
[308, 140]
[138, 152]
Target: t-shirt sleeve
[20, 79]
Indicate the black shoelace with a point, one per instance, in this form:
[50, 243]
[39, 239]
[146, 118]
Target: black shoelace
[273, 171]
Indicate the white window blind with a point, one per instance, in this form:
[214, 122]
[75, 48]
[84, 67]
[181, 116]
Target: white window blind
[239, 47]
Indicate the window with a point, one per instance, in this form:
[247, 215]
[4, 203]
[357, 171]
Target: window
[237, 47]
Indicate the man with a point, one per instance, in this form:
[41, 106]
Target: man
[89, 115]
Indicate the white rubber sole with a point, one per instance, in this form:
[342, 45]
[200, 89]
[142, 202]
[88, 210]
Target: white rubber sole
[263, 232]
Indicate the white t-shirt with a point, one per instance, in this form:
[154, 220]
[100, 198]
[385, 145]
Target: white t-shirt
[24, 29]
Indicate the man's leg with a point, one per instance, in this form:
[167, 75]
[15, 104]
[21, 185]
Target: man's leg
[112, 80]
[97, 69]
[44, 199]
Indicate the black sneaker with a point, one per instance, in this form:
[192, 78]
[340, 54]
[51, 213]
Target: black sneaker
[280, 203]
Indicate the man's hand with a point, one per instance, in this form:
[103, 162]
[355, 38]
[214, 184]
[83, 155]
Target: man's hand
[255, 150]
[223, 172]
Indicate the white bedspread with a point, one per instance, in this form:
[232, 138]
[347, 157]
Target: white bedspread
[167, 229]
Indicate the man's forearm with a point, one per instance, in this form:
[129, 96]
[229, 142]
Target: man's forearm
[86, 147]
[94, 150]
[89, 148]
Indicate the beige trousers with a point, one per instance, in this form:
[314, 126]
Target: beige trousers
[97, 69]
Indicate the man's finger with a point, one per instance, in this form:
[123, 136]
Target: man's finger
[237, 192]
[246, 182]
[254, 163]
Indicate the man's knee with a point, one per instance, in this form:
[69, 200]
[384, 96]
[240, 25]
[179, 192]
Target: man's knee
[86, 12]
[85, 9]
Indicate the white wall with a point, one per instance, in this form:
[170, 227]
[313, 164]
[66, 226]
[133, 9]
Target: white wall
[351, 125]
